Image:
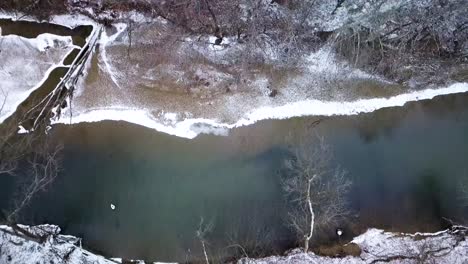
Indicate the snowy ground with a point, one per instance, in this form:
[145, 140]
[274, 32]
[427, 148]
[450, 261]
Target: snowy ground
[188, 91]
[377, 246]
[185, 85]
[25, 65]
[189, 87]
[17, 248]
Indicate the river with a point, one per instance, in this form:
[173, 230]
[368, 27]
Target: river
[405, 163]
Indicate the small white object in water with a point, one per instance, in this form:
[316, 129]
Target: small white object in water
[112, 206]
[339, 232]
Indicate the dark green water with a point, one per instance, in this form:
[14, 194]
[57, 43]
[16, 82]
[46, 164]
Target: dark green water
[406, 164]
[29, 29]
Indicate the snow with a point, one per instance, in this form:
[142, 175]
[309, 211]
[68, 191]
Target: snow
[324, 108]
[22, 130]
[56, 248]
[106, 40]
[192, 127]
[15, 16]
[19, 250]
[378, 246]
[221, 46]
[67, 20]
[324, 62]
[46, 41]
[172, 117]
[188, 128]
[72, 21]
[117, 94]
[26, 64]
[236, 110]
[120, 99]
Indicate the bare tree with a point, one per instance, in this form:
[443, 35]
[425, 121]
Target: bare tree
[35, 8]
[463, 192]
[31, 158]
[202, 231]
[251, 237]
[316, 192]
[42, 167]
[462, 197]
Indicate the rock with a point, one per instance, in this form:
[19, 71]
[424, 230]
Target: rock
[218, 41]
[273, 93]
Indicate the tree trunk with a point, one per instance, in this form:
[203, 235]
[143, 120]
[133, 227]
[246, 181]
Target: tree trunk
[204, 252]
[217, 31]
[312, 217]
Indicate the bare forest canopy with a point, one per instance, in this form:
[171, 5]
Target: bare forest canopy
[436, 27]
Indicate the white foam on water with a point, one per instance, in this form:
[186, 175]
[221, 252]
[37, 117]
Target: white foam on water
[192, 127]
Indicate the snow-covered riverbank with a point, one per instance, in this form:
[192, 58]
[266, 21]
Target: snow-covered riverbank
[26, 64]
[144, 86]
[191, 127]
[55, 248]
[376, 246]
[48, 246]
[151, 85]
[33, 56]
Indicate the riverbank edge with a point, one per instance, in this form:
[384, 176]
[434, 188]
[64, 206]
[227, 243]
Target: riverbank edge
[378, 246]
[62, 20]
[44, 242]
[192, 127]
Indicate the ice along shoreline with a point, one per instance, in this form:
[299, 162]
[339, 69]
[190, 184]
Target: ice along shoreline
[192, 127]
[176, 125]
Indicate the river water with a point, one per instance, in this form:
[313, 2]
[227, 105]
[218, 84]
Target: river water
[29, 29]
[405, 163]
